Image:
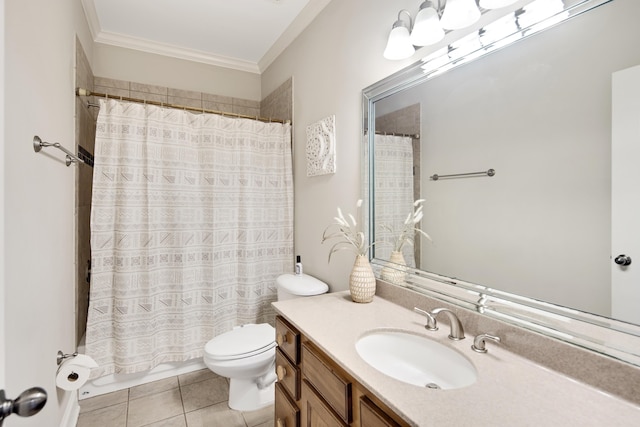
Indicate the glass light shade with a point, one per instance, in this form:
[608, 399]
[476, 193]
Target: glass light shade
[495, 4]
[427, 29]
[399, 44]
[538, 11]
[459, 14]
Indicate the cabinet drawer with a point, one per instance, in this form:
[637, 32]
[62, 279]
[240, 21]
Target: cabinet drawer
[316, 412]
[288, 375]
[330, 384]
[288, 339]
[287, 413]
[372, 416]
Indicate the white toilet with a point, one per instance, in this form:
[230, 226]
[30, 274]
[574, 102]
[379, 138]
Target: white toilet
[246, 354]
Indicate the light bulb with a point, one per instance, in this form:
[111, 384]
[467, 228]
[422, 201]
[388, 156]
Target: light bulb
[459, 14]
[495, 4]
[399, 44]
[426, 29]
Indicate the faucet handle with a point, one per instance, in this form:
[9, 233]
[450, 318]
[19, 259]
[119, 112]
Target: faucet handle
[479, 342]
[431, 325]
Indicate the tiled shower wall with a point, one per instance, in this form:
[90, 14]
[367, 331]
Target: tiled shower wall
[277, 105]
[85, 136]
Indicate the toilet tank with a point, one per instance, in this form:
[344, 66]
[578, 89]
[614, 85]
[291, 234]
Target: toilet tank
[296, 286]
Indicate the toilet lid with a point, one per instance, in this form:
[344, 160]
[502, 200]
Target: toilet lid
[242, 341]
[302, 285]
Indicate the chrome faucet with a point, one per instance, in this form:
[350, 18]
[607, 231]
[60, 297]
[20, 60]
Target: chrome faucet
[479, 342]
[457, 331]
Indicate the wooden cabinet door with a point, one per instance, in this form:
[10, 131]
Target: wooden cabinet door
[372, 416]
[316, 412]
[287, 413]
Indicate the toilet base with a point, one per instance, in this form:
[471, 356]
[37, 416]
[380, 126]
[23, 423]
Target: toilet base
[244, 395]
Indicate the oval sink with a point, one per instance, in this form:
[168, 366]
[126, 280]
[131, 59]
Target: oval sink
[416, 360]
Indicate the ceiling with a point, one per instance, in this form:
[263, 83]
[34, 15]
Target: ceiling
[245, 35]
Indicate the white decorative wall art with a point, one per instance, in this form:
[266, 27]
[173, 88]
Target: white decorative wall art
[321, 147]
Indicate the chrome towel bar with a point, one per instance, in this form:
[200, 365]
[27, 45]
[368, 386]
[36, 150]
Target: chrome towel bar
[38, 144]
[490, 172]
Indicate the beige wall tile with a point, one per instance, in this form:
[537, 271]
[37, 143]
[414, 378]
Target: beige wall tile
[187, 102]
[246, 103]
[184, 93]
[149, 96]
[113, 83]
[217, 106]
[144, 88]
[111, 91]
[217, 98]
[246, 111]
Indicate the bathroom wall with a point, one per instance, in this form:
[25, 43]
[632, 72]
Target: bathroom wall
[332, 60]
[157, 70]
[39, 198]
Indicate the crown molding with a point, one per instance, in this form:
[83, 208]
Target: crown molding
[173, 51]
[306, 16]
[302, 21]
[92, 17]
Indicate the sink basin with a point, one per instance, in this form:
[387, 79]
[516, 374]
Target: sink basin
[416, 360]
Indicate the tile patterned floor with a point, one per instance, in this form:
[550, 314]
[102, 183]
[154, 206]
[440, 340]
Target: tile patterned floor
[196, 399]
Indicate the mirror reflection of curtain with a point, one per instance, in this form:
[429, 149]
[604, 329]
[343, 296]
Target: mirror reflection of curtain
[394, 192]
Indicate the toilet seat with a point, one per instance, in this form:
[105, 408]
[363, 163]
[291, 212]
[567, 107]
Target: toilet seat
[241, 342]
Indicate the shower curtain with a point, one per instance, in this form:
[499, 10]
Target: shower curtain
[191, 223]
[393, 157]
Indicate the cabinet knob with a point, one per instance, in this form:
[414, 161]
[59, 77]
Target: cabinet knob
[281, 372]
[280, 423]
[281, 339]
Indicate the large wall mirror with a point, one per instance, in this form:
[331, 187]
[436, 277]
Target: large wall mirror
[544, 229]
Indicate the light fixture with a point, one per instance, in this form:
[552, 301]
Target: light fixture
[459, 14]
[399, 43]
[426, 28]
[495, 4]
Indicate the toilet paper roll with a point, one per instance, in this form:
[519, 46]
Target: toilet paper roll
[73, 373]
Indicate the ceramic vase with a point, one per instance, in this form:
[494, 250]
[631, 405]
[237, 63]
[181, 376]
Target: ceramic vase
[396, 271]
[362, 281]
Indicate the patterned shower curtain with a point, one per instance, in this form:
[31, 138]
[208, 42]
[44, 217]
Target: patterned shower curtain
[191, 223]
[393, 157]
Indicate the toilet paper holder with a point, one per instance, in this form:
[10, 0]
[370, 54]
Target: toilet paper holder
[62, 356]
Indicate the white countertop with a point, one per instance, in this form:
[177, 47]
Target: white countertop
[510, 390]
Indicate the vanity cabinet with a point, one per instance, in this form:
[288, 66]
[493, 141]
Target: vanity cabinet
[313, 390]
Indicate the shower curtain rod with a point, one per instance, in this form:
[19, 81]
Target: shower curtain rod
[85, 92]
[410, 135]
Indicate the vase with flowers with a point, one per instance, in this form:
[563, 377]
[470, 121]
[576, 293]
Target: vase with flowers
[395, 271]
[362, 280]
